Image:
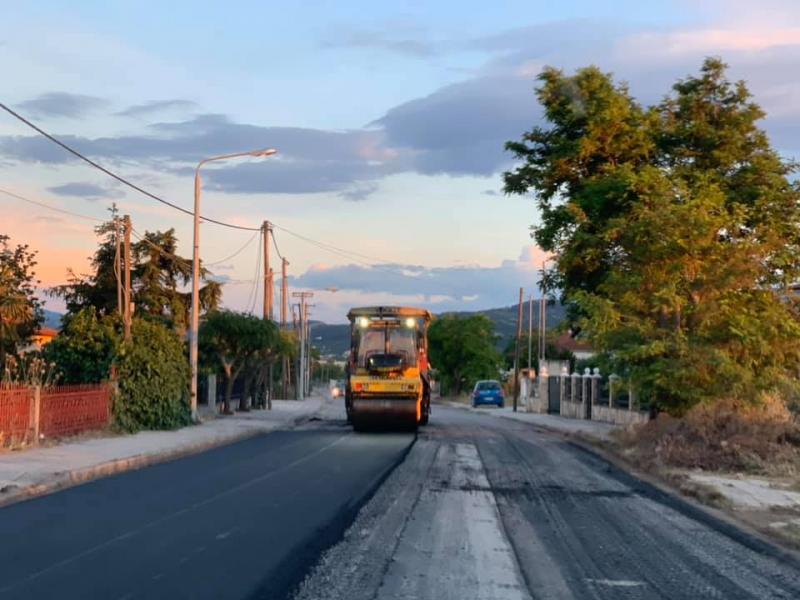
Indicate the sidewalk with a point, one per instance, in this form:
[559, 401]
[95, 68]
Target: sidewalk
[39, 471]
[591, 428]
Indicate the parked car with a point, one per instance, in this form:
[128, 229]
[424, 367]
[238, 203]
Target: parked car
[488, 392]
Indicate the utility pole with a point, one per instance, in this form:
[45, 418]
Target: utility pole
[542, 323]
[530, 332]
[285, 366]
[118, 264]
[516, 348]
[127, 296]
[302, 371]
[266, 230]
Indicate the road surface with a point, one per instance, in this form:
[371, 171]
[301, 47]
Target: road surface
[476, 508]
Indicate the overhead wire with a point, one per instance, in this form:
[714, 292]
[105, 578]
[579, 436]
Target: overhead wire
[349, 254]
[49, 207]
[235, 254]
[113, 175]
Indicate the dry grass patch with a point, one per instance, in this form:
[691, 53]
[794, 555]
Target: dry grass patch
[727, 436]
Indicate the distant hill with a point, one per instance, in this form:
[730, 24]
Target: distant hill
[52, 319]
[335, 339]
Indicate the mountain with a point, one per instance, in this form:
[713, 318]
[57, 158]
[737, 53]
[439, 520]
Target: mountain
[335, 339]
[52, 319]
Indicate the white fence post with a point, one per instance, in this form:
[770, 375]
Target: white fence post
[211, 393]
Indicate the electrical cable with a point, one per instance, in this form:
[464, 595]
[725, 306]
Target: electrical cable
[235, 254]
[114, 175]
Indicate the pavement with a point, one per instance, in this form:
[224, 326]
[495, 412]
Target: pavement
[37, 471]
[488, 508]
[470, 507]
[554, 422]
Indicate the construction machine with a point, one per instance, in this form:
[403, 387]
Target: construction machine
[388, 373]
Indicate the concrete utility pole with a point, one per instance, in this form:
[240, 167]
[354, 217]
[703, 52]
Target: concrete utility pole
[542, 323]
[266, 231]
[530, 332]
[118, 264]
[516, 348]
[302, 371]
[286, 364]
[127, 295]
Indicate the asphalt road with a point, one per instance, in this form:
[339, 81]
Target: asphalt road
[476, 508]
[489, 508]
[243, 521]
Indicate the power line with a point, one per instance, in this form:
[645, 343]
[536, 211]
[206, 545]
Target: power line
[235, 254]
[114, 175]
[49, 207]
[251, 302]
[330, 247]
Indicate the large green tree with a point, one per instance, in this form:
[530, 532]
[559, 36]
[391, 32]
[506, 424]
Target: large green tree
[463, 350]
[20, 310]
[159, 278]
[675, 229]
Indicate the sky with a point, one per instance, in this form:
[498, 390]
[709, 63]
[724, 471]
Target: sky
[389, 119]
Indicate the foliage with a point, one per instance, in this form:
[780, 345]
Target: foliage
[153, 376]
[676, 232]
[28, 369]
[236, 343]
[20, 310]
[158, 277]
[462, 349]
[85, 348]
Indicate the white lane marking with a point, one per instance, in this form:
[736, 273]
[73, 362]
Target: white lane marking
[617, 582]
[169, 517]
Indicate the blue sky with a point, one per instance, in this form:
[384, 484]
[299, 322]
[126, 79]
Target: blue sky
[389, 118]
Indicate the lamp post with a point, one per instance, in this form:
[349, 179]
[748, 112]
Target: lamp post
[195, 319]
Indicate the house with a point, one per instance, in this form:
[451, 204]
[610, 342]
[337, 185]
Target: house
[580, 349]
[39, 339]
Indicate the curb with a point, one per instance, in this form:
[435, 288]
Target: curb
[70, 479]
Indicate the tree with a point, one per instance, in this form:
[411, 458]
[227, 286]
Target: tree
[676, 231]
[20, 310]
[158, 277]
[231, 341]
[462, 349]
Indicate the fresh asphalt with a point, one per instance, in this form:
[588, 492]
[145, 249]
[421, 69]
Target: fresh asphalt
[242, 521]
[476, 508]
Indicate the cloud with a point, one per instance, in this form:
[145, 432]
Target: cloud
[458, 129]
[481, 286]
[403, 39]
[62, 104]
[156, 106]
[88, 191]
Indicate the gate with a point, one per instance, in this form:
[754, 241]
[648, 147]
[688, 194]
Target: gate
[554, 395]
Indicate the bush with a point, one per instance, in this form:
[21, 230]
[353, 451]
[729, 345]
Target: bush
[153, 380]
[727, 435]
[85, 349]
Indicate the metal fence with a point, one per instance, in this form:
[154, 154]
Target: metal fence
[30, 412]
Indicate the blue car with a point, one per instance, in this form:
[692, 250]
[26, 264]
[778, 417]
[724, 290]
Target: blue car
[488, 392]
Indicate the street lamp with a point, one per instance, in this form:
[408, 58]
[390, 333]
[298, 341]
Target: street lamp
[195, 320]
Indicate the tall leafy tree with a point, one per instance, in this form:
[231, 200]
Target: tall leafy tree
[20, 309]
[159, 277]
[463, 350]
[677, 255]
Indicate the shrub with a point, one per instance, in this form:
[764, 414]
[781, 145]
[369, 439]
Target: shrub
[85, 349]
[153, 380]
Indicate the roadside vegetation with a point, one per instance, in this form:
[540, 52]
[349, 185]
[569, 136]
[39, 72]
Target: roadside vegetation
[675, 234]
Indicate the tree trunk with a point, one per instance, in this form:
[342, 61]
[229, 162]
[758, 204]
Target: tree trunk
[226, 406]
[269, 387]
[244, 404]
